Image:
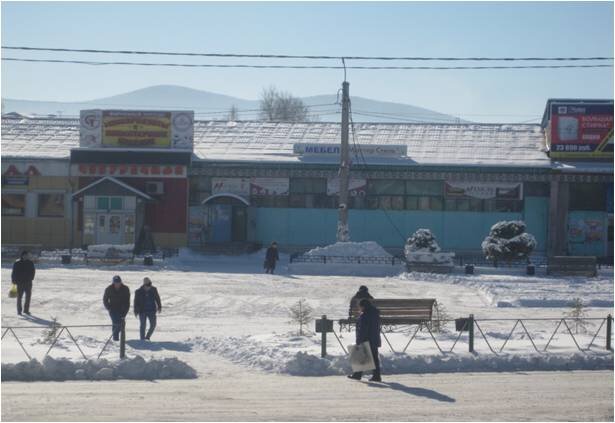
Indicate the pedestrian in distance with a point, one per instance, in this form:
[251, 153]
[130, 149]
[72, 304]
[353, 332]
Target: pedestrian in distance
[147, 303]
[22, 276]
[117, 302]
[363, 292]
[368, 329]
[271, 257]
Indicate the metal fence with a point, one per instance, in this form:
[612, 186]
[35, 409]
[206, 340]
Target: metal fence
[61, 329]
[303, 258]
[472, 327]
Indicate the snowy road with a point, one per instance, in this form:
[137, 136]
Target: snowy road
[233, 393]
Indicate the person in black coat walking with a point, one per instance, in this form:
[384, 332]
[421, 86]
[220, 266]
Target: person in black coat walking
[23, 275]
[271, 257]
[368, 329]
[363, 292]
[117, 302]
[147, 302]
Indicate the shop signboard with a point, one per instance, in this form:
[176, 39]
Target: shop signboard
[136, 129]
[129, 170]
[356, 186]
[484, 190]
[238, 186]
[580, 130]
[358, 150]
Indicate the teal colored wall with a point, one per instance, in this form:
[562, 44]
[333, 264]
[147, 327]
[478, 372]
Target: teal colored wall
[454, 230]
[587, 233]
[536, 217]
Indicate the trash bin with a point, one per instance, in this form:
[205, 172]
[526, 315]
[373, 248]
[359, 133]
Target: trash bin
[531, 270]
[66, 258]
[148, 261]
[469, 269]
[462, 324]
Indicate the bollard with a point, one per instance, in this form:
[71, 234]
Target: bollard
[530, 270]
[323, 340]
[469, 269]
[123, 339]
[609, 326]
[471, 333]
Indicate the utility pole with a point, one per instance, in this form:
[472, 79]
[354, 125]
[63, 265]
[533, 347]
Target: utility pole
[343, 232]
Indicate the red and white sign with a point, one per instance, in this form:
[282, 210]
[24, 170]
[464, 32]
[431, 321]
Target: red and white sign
[130, 170]
[356, 186]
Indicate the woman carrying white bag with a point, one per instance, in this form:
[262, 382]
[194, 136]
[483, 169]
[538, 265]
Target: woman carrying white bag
[364, 355]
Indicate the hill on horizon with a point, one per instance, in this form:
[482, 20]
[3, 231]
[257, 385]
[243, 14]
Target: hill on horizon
[213, 106]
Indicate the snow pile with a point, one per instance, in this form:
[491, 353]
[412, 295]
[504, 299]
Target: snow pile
[350, 249]
[110, 251]
[279, 356]
[64, 369]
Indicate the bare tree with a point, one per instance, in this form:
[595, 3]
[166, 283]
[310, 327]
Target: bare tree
[233, 114]
[577, 312]
[278, 106]
[301, 313]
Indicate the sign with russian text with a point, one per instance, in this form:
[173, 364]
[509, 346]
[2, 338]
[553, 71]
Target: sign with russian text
[580, 130]
[484, 190]
[137, 129]
[130, 170]
[238, 186]
[358, 150]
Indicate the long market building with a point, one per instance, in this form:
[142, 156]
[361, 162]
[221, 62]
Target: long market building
[161, 178]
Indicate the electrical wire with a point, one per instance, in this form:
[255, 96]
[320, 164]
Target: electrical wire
[244, 66]
[311, 57]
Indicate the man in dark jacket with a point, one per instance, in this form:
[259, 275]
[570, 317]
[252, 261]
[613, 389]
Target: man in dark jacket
[117, 301]
[368, 329]
[271, 257]
[363, 292]
[147, 302]
[23, 275]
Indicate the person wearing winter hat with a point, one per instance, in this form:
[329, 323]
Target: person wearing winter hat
[116, 300]
[147, 301]
[363, 292]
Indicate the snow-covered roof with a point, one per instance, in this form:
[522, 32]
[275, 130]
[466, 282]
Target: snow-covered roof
[517, 145]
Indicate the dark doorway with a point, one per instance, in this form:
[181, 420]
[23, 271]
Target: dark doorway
[239, 223]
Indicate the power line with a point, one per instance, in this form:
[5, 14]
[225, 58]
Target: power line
[311, 57]
[244, 66]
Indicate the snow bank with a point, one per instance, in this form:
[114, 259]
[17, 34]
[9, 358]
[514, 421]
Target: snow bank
[290, 358]
[348, 249]
[346, 269]
[64, 369]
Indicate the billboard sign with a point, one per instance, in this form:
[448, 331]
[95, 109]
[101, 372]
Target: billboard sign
[580, 130]
[134, 129]
[484, 190]
[333, 150]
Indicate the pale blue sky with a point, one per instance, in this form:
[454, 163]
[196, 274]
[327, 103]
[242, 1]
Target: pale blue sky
[415, 29]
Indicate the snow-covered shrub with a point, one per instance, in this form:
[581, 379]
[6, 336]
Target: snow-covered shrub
[508, 240]
[422, 241]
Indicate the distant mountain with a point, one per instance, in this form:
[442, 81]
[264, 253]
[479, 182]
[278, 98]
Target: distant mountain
[208, 105]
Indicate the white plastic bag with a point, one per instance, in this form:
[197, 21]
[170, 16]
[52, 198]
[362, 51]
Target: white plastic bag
[361, 359]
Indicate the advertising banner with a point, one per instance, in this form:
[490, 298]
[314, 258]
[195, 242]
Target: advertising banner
[356, 187]
[136, 129]
[484, 190]
[269, 186]
[129, 170]
[238, 186]
[579, 130]
[367, 150]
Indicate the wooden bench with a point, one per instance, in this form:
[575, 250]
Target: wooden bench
[572, 266]
[396, 311]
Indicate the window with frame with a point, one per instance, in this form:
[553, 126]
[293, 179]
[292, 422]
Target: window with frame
[309, 193]
[588, 197]
[424, 195]
[51, 205]
[13, 204]
[200, 189]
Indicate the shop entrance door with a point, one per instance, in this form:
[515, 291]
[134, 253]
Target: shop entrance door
[240, 224]
[221, 222]
[109, 229]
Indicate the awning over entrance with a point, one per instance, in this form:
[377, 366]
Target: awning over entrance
[211, 198]
[107, 182]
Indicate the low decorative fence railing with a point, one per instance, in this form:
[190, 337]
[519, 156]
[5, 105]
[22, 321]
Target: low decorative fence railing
[61, 329]
[303, 258]
[472, 327]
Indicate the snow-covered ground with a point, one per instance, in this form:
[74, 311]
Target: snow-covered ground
[225, 306]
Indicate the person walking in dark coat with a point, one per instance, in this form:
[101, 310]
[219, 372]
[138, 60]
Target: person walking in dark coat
[368, 329]
[147, 302]
[22, 276]
[363, 292]
[271, 257]
[117, 302]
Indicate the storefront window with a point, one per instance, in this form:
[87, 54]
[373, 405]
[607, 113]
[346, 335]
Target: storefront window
[129, 229]
[13, 204]
[589, 197]
[115, 224]
[385, 187]
[102, 203]
[432, 188]
[89, 223]
[308, 185]
[51, 205]
[116, 203]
